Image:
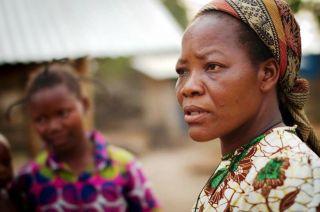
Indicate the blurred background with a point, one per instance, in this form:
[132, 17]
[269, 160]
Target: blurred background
[131, 46]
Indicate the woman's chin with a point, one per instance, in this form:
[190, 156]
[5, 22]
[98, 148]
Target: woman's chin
[201, 137]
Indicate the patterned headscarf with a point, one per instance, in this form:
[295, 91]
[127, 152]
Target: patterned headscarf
[275, 25]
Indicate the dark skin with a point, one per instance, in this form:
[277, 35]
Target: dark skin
[222, 92]
[6, 171]
[58, 117]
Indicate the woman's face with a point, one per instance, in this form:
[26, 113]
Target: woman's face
[217, 87]
[57, 115]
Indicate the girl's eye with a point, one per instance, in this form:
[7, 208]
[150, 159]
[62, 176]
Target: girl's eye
[40, 120]
[64, 113]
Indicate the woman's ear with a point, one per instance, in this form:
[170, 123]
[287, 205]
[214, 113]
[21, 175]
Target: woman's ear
[268, 75]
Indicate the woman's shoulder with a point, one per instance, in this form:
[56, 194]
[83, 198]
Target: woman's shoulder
[285, 168]
[284, 142]
[282, 156]
[282, 152]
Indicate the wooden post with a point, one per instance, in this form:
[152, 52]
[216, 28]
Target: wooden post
[83, 67]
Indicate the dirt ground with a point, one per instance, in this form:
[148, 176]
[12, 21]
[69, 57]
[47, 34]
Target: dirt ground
[177, 175]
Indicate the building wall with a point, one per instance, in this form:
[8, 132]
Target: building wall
[13, 79]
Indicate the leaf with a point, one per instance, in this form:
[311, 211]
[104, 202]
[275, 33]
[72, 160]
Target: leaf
[288, 200]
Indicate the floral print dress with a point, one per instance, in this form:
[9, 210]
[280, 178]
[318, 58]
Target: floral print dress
[275, 172]
[115, 184]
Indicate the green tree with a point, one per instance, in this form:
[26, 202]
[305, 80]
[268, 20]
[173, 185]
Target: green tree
[312, 5]
[178, 10]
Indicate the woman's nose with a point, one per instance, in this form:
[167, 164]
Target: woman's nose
[193, 86]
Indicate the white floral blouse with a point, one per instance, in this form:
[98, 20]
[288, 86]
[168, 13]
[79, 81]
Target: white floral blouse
[275, 172]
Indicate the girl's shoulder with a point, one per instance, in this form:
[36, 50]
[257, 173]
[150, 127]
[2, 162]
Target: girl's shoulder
[104, 148]
[32, 166]
[120, 155]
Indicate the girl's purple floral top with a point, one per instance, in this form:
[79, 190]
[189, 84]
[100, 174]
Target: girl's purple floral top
[115, 184]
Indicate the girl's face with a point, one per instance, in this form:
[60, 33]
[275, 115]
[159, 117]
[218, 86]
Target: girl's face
[57, 115]
[217, 85]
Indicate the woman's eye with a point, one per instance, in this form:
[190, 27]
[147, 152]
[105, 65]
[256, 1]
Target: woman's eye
[212, 67]
[181, 71]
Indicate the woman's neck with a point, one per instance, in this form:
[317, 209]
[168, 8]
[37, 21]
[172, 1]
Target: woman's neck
[268, 117]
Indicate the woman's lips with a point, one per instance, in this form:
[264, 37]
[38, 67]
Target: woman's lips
[194, 114]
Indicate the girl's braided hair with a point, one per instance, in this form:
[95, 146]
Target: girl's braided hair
[52, 74]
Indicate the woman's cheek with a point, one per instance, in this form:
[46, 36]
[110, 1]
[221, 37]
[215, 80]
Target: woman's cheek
[219, 96]
[179, 94]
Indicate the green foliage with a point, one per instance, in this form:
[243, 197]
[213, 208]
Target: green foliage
[113, 68]
[178, 11]
[295, 5]
[312, 5]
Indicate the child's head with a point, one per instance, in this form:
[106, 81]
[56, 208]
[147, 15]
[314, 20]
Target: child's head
[6, 171]
[53, 75]
[56, 106]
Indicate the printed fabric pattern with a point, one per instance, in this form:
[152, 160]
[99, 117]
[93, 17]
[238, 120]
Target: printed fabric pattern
[277, 173]
[116, 183]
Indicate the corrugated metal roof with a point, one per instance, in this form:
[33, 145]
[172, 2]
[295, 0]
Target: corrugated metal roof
[39, 30]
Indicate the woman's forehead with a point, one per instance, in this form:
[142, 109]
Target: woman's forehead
[213, 23]
[209, 30]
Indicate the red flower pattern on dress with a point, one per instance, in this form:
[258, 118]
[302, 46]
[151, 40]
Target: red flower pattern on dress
[217, 195]
[243, 168]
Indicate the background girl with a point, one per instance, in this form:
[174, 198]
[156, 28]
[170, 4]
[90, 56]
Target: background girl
[79, 171]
